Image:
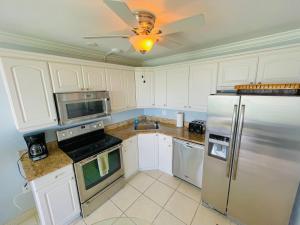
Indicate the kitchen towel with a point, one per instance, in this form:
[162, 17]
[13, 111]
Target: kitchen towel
[103, 164]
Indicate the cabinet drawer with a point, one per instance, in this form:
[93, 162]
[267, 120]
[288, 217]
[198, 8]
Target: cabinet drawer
[52, 177]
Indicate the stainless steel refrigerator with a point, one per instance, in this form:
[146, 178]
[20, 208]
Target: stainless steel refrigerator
[252, 157]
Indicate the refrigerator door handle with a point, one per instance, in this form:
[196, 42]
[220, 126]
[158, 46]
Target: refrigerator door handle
[232, 135]
[238, 142]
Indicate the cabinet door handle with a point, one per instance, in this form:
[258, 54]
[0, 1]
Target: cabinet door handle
[59, 175]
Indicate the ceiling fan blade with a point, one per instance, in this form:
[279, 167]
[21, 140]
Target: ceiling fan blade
[189, 23]
[107, 36]
[169, 43]
[122, 10]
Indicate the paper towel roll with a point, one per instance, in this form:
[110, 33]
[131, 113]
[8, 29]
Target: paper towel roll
[179, 120]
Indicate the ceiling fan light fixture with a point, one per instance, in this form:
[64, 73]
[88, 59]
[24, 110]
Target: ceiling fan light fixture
[143, 43]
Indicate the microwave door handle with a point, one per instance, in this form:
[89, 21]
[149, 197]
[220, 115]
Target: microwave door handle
[232, 141]
[238, 142]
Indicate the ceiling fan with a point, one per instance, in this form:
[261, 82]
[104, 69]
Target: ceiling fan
[145, 32]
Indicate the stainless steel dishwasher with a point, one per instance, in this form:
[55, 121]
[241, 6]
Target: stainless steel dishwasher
[188, 161]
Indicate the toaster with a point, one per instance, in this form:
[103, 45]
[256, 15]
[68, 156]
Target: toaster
[197, 126]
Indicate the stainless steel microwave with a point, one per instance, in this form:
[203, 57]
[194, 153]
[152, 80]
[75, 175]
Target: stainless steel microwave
[77, 107]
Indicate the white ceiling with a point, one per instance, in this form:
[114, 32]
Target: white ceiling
[67, 21]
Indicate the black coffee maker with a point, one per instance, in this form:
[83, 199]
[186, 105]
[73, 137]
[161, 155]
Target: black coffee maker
[37, 148]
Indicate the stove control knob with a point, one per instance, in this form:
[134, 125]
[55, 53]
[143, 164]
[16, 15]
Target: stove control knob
[70, 132]
[63, 134]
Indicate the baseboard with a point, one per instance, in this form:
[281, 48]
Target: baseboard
[22, 217]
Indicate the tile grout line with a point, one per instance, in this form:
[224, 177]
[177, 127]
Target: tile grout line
[195, 214]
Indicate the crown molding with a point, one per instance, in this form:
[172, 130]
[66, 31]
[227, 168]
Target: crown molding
[254, 44]
[25, 43]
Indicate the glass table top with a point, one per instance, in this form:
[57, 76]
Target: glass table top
[123, 221]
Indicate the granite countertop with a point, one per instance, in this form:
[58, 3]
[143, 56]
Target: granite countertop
[56, 159]
[126, 131]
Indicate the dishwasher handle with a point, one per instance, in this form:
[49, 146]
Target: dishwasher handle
[188, 145]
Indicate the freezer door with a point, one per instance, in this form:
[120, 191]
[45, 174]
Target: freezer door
[266, 166]
[220, 112]
[220, 135]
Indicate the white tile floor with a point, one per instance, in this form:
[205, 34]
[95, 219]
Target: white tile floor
[157, 198]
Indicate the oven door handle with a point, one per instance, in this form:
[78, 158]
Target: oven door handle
[87, 160]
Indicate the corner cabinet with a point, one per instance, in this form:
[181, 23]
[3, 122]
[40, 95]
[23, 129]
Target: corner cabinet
[144, 89]
[235, 71]
[56, 197]
[130, 156]
[30, 93]
[148, 151]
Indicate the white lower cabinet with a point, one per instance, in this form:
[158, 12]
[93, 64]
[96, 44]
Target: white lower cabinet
[130, 156]
[56, 197]
[148, 151]
[165, 153]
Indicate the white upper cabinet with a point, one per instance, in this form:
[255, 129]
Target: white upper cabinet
[202, 83]
[144, 88]
[94, 78]
[235, 71]
[30, 93]
[282, 66]
[116, 86]
[177, 87]
[160, 88]
[130, 88]
[66, 77]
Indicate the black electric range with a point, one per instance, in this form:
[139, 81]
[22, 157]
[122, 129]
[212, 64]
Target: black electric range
[86, 140]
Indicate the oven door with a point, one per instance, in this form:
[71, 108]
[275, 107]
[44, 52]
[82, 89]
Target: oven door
[78, 107]
[97, 172]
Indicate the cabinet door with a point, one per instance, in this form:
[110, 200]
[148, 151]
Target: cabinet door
[165, 153]
[29, 88]
[160, 88]
[130, 156]
[66, 77]
[279, 67]
[202, 83]
[130, 89]
[177, 87]
[94, 78]
[237, 71]
[148, 152]
[144, 89]
[116, 87]
[58, 203]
